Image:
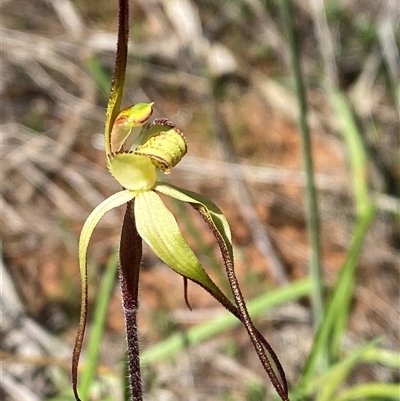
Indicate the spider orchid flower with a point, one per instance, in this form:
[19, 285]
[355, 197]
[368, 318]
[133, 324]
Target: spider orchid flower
[136, 152]
[134, 163]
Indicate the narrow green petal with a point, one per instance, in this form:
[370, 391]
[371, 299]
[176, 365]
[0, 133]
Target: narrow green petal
[119, 133]
[113, 201]
[91, 222]
[213, 213]
[128, 118]
[158, 228]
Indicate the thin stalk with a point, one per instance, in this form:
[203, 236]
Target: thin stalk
[130, 257]
[311, 196]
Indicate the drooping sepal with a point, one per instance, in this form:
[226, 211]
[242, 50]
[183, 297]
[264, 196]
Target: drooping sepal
[217, 222]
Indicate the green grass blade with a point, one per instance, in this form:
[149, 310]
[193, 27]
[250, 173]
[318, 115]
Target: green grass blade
[177, 342]
[125, 380]
[340, 298]
[371, 391]
[312, 205]
[98, 327]
[346, 281]
[356, 150]
[328, 384]
[384, 357]
[99, 75]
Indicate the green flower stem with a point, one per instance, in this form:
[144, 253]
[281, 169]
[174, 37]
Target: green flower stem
[312, 206]
[130, 257]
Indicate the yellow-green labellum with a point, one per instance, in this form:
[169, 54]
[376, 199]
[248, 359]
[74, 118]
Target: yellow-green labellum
[165, 149]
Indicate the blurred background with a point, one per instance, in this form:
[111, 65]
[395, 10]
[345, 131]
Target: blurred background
[221, 71]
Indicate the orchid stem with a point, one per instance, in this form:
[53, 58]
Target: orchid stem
[130, 258]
